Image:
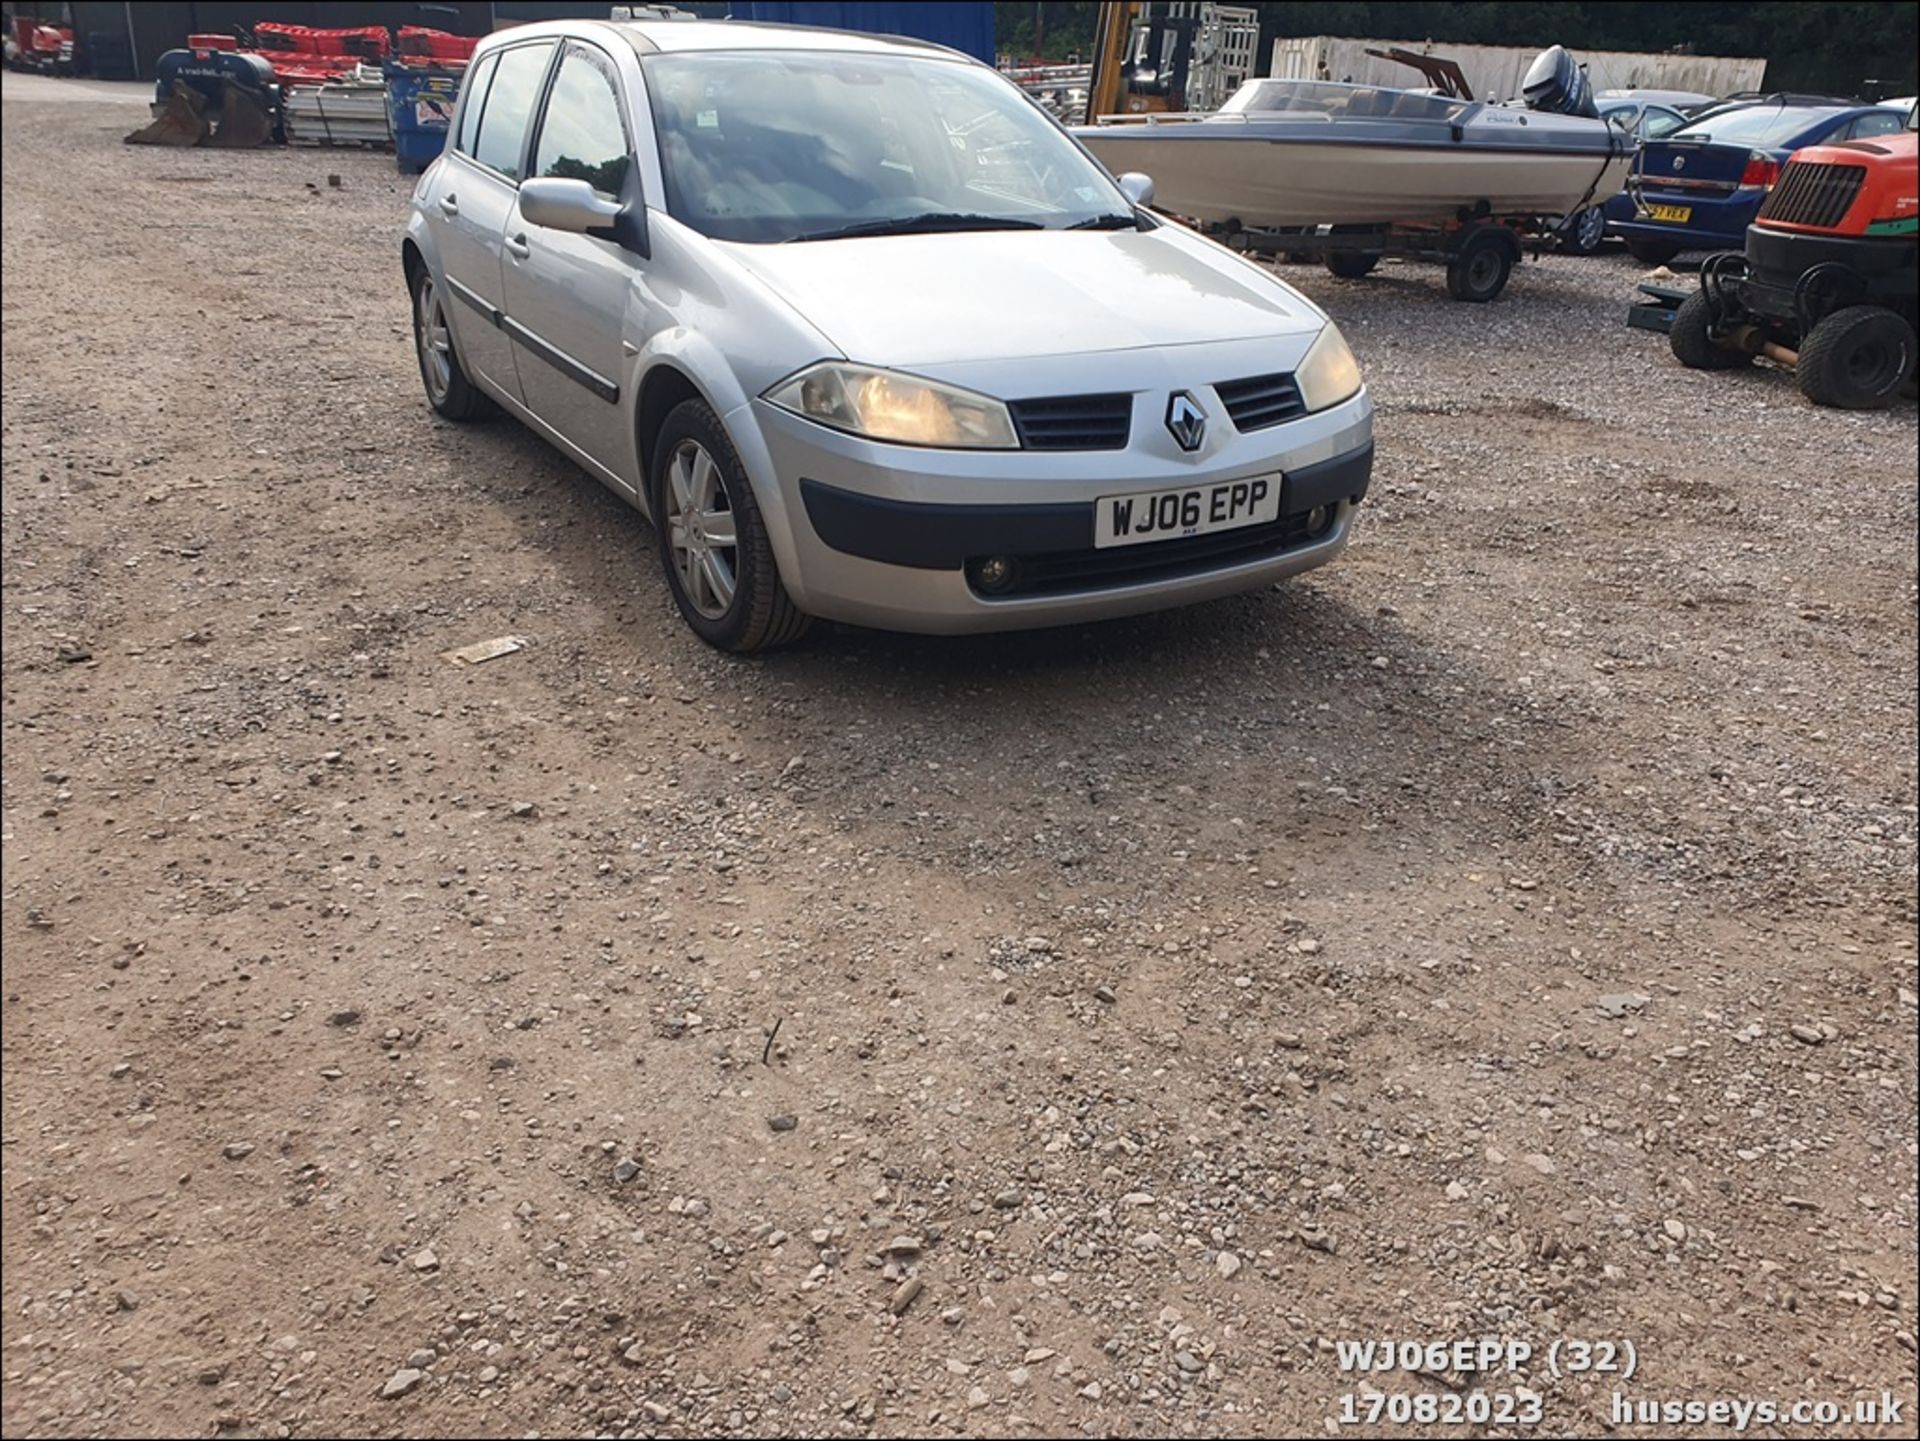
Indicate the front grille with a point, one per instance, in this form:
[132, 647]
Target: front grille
[1090, 569]
[1073, 422]
[1261, 400]
[1811, 192]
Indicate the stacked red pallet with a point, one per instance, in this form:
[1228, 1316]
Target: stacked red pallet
[418, 43]
[296, 68]
[305, 55]
[368, 42]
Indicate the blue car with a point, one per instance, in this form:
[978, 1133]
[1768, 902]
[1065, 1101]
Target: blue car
[1699, 187]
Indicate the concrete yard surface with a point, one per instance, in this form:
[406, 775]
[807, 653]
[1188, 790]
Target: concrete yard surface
[1505, 932]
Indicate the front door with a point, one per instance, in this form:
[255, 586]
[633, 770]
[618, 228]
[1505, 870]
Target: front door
[567, 294]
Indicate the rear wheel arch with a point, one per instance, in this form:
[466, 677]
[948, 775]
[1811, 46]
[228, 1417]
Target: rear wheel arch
[412, 262]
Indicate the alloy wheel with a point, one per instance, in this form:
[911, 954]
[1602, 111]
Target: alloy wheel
[700, 530]
[436, 345]
[1590, 229]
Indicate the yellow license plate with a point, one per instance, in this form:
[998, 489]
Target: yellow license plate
[1678, 214]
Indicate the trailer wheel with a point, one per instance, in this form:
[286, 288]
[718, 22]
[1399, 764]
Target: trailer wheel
[1856, 359]
[1350, 264]
[1479, 271]
[1691, 338]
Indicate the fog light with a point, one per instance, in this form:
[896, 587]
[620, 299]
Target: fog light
[994, 573]
[1319, 521]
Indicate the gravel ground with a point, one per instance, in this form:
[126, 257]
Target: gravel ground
[1508, 930]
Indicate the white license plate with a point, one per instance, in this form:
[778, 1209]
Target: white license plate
[1186, 510]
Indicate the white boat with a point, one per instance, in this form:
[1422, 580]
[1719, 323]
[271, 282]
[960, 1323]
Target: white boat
[1299, 153]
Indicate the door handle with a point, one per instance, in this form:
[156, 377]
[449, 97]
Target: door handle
[518, 248]
[449, 205]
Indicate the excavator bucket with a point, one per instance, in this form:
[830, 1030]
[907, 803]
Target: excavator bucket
[244, 122]
[181, 123]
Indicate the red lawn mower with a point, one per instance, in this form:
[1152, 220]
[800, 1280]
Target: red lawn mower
[1827, 282]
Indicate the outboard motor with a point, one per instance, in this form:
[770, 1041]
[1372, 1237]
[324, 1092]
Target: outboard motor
[1557, 82]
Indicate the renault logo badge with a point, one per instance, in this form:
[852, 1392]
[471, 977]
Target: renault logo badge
[1186, 421]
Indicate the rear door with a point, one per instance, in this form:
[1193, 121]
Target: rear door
[567, 294]
[475, 197]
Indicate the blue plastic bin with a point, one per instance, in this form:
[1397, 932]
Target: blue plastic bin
[419, 108]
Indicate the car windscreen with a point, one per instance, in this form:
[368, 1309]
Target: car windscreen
[769, 145]
[1759, 125]
[1307, 98]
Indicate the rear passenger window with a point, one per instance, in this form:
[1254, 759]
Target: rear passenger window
[1887, 123]
[510, 101]
[474, 95]
[582, 136]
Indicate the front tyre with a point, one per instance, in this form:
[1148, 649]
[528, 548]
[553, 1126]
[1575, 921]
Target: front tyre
[1856, 358]
[1691, 338]
[713, 539]
[449, 391]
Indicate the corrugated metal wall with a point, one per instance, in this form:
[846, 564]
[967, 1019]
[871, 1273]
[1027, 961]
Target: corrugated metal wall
[967, 27]
[1495, 71]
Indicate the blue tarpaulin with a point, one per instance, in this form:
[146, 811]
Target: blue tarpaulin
[966, 27]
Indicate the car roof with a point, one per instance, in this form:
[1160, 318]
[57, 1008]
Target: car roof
[678, 36]
[1819, 111]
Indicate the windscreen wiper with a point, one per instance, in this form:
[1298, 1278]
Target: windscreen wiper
[1115, 221]
[931, 222]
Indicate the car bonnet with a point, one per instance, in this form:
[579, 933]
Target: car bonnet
[1007, 295]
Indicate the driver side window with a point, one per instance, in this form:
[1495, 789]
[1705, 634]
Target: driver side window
[583, 135]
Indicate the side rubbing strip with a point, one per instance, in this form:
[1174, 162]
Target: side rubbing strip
[475, 299]
[564, 363]
[573, 370]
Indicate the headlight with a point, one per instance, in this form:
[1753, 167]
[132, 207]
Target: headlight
[1329, 374]
[887, 405]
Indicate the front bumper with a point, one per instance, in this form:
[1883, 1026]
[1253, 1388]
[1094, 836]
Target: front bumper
[865, 539]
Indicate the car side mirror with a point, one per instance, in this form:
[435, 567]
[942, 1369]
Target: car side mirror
[565, 205]
[1137, 187]
[555, 203]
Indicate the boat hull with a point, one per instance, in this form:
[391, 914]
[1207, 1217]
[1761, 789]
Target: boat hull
[1262, 182]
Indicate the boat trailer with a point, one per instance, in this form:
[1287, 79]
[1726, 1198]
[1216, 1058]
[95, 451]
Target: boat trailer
[1478, 250]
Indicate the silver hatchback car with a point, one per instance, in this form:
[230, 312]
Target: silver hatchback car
[868, 336]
